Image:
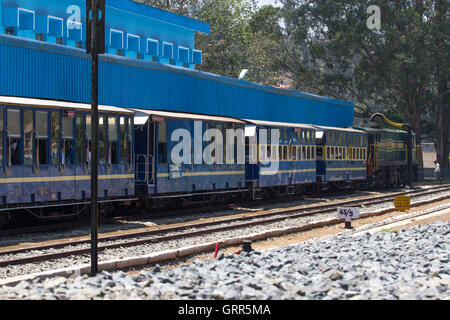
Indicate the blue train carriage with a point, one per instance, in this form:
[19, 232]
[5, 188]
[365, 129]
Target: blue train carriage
[166, 182]
[341, 156]
[286, 165]
[45, 156]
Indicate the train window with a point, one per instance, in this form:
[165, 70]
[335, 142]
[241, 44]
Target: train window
[294, 153]
[162, 142]
[280, 153]
[269, 152]
[80, 132]
[1, 136]
[102, 137]
[28, 137]
[88, 138]
[332, 153]
[285, 153]
[55, 142]
[364, 155]
[67, 140]
[308, 155]
[354, 153]
[42, 137]
[123, 141]
[14, 137]
[113, 140]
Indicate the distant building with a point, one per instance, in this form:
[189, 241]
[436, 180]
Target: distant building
[429, 155]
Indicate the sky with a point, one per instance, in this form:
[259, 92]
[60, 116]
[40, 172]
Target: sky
[266, 2]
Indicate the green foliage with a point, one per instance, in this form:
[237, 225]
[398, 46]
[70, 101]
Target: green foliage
[242, 36]
[331, 51]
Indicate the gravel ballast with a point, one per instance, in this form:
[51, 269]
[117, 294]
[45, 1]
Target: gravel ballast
[409, 264]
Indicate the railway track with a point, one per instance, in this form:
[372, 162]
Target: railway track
[265, 217]
[175, 213]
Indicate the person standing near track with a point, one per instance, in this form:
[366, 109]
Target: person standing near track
[437, 171]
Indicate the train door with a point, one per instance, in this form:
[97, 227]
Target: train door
[42, 157]
[114, 166]
[321, 150]
[103, 163]
[82, 155]
[145, 151]
[56, 168]
[68, 167]
[251, 157]
[13, 156]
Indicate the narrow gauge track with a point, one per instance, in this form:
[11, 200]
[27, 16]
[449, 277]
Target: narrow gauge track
[154, 236]
[181, 212]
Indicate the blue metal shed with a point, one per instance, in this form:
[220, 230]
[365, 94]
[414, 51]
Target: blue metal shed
[30, 68]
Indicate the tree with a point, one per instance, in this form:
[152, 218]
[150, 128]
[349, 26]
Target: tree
[331, 50]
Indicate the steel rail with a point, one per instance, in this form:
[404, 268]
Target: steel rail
[46, 257]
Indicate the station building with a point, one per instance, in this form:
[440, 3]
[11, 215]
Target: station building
[149, 63]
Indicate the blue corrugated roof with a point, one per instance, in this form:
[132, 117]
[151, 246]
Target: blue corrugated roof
[43, 70]
[158, 14]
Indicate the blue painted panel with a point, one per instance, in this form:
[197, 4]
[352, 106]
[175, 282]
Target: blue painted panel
[201, 178]
[167, 50]
[41, 23]
[55, 26]
[183, 54]
[116, 39]
[196, 57]
[75, 31]
[133, 43]
[290, 173]
[152, 47]
[26, 19]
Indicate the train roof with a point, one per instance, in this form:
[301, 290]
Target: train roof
[340, 129]
[43, 103]
[279, 124]
[142, 116]
[382, 130]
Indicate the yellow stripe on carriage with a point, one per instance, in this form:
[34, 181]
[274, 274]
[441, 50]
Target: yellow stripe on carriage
[68, 178]
[204, 173]
[270, 173]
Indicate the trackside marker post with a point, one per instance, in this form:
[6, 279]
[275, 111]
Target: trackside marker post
[348, 214]
[216, 251]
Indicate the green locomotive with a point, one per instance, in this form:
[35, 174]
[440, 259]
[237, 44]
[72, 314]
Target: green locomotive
[387, 156]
